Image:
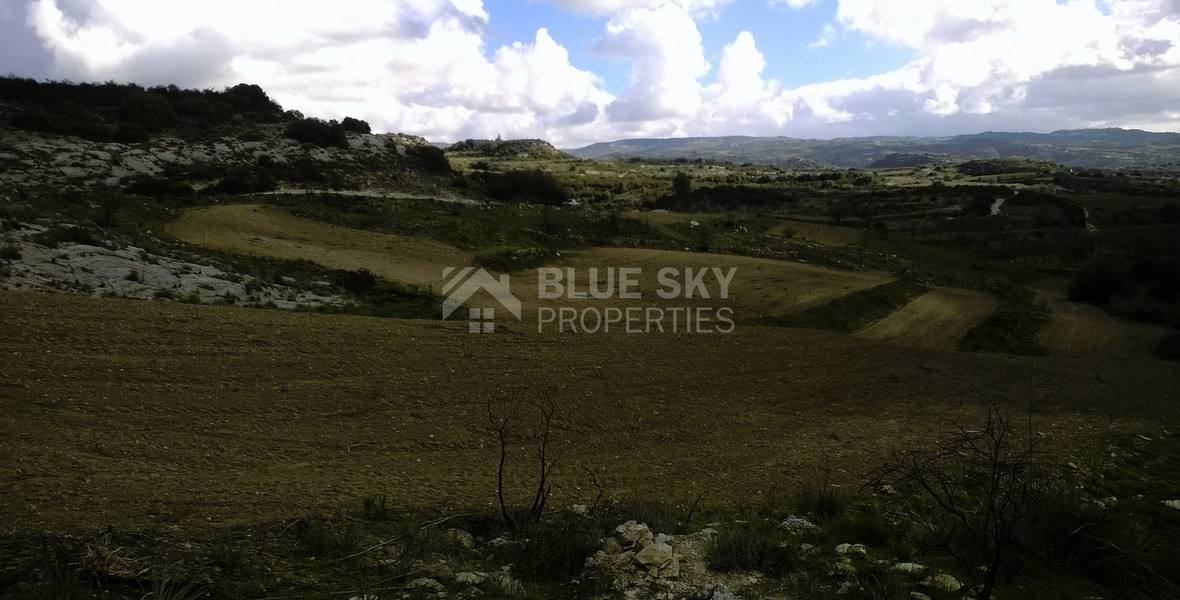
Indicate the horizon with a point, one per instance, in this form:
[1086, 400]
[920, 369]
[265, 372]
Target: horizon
[580, 72]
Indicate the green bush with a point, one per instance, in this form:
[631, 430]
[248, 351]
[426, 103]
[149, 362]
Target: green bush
[317, 131]
[355, 125]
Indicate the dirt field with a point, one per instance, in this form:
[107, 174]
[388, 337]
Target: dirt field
[270, 231]
[937, 319]
[1082, 330]
[142, 414]
[760, 287]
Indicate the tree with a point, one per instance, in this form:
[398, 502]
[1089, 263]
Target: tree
[356, 125]
[974, 494]
[682, 184]
[503, 416]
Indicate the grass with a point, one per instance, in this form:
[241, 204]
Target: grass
[1014, 326]
[853, 311]
[823, 502]
[759, 546]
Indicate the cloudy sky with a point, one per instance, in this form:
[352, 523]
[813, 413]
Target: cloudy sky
[581, 71]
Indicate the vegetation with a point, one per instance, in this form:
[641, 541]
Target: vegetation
[854, 310]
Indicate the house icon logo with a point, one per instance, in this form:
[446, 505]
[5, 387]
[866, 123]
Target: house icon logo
[466, 283]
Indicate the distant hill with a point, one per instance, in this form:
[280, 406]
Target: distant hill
[1100, 148]
[507, 149]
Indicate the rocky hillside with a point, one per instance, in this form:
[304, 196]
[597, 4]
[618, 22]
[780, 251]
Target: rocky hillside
[516, 149]
[166, 140]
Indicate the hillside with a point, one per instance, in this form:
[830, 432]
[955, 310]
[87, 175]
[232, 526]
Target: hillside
[517, 149]
[1094, 148]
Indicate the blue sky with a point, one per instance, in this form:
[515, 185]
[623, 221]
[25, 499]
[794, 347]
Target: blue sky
[582, 71]
[784, 35]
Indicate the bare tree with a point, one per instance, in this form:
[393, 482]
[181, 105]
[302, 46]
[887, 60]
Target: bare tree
[975, 491]
[503, 416]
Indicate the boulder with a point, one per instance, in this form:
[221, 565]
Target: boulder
[659, 560]
[633, 535]
[943, 582]
[796, 524]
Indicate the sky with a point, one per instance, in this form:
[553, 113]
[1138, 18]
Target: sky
[575, 72]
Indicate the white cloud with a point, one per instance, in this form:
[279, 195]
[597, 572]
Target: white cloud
[419, 66]
[826, 34]
[664, 48]
[612, 7]
[423, 66]
[795, 3]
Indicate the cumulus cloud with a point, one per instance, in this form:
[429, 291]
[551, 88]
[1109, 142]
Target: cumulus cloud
[424, 67]
[664, 47]
[414, 65]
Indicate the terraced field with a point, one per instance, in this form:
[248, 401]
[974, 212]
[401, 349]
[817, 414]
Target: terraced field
[938, 319]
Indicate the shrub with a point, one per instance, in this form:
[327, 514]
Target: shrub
[757, 546]
[355, 125]
[158, 186]
[557, 547]
[431, 159]
[1098, 281]
[9, 251]
[823, 502]
[244, 180]
[317, 131]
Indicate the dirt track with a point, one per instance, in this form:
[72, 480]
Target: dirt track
[139, 413]
[1081, 330]
[937, 319]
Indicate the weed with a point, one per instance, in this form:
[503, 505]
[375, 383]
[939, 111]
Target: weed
[169, 588]
[228, 553]
[558, 546]
[62, 583]
[377, 508]
[10, 251]
[823, 502]
[759, 545]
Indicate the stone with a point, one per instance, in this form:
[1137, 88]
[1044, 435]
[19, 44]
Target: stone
[440, 571]
[659, 560]
[464, 539]
[908, 567]
[471, 577]
[633, 535]
[426, 583]
[1171, 504]
[857, 549]
[795, 524]
[943, 582]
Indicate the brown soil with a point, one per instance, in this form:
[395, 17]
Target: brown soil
[140, 414]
